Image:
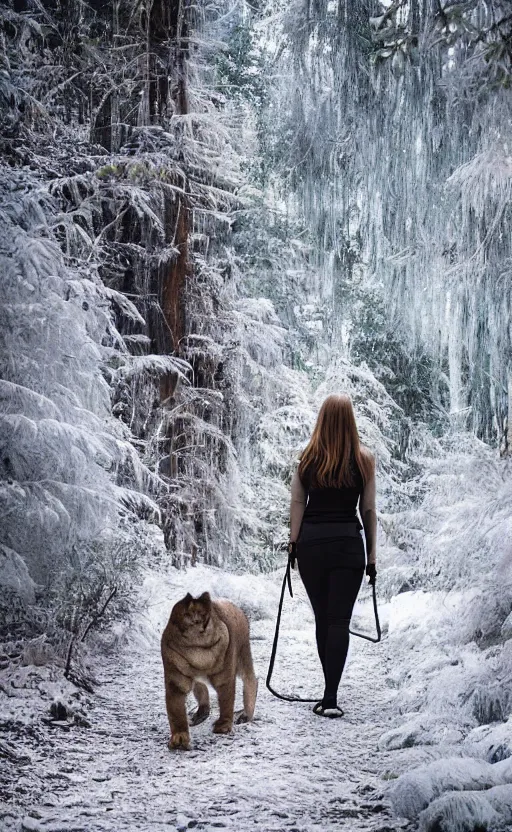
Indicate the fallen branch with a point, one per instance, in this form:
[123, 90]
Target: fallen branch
[98, 615]
[68, 657]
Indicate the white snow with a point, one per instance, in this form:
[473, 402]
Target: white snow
[469, 811]
[286, 770]
[415, 791]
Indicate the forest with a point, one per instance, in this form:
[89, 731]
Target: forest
[212, 216]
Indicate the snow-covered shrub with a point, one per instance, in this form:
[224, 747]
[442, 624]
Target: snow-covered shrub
[492, 742]
[456, 795]
[14, 577]
[490, 810]
[421, 730]
[414, 791]
[102, 571]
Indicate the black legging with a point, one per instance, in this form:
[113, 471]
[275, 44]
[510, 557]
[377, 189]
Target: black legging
[332, 575]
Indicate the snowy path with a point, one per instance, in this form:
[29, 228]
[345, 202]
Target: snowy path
[288, 770]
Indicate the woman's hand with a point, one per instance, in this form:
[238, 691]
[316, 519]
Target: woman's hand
[371, 571]
[292, 553]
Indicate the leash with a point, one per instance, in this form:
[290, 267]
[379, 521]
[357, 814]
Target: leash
[287, 581]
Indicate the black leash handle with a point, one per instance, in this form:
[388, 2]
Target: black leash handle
[287, 580]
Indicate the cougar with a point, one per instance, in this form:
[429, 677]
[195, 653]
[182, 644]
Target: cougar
[206, 640]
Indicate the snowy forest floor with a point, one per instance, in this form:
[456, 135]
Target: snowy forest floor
[288, 770]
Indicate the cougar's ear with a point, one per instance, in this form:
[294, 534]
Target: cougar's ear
[188, 598]
[205, 599]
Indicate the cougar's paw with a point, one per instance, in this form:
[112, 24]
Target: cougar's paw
[199, 716]
[241, 718]
[222, 726]
[180, 740]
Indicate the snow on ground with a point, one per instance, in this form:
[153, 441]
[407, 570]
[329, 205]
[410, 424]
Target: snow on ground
[288, 770]
[107, 766]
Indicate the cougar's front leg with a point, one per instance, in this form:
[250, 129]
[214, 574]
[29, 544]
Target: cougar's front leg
[175, 702]
[225, 688]
[202, 696]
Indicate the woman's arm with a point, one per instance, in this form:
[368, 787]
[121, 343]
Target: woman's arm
[297, 506]
[369, 515]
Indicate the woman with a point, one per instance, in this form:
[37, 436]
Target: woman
[335, 473]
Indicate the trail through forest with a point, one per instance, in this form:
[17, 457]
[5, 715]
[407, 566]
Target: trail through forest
[288, 770]
[215, 215]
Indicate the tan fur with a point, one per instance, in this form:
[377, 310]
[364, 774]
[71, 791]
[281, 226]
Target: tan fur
[206, 640]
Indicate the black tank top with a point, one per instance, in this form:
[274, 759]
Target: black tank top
[327, 505]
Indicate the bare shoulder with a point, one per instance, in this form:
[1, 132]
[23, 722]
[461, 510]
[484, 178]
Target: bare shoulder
[368, 455]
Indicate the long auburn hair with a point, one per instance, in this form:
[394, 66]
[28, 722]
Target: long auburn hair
[333, 445]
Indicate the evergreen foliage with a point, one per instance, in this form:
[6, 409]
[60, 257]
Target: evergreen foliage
[396, 120]
[135, 367]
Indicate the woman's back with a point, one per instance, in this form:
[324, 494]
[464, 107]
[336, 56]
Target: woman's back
[332, 504]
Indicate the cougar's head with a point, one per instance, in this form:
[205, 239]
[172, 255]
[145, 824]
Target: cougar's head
[193, 614]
